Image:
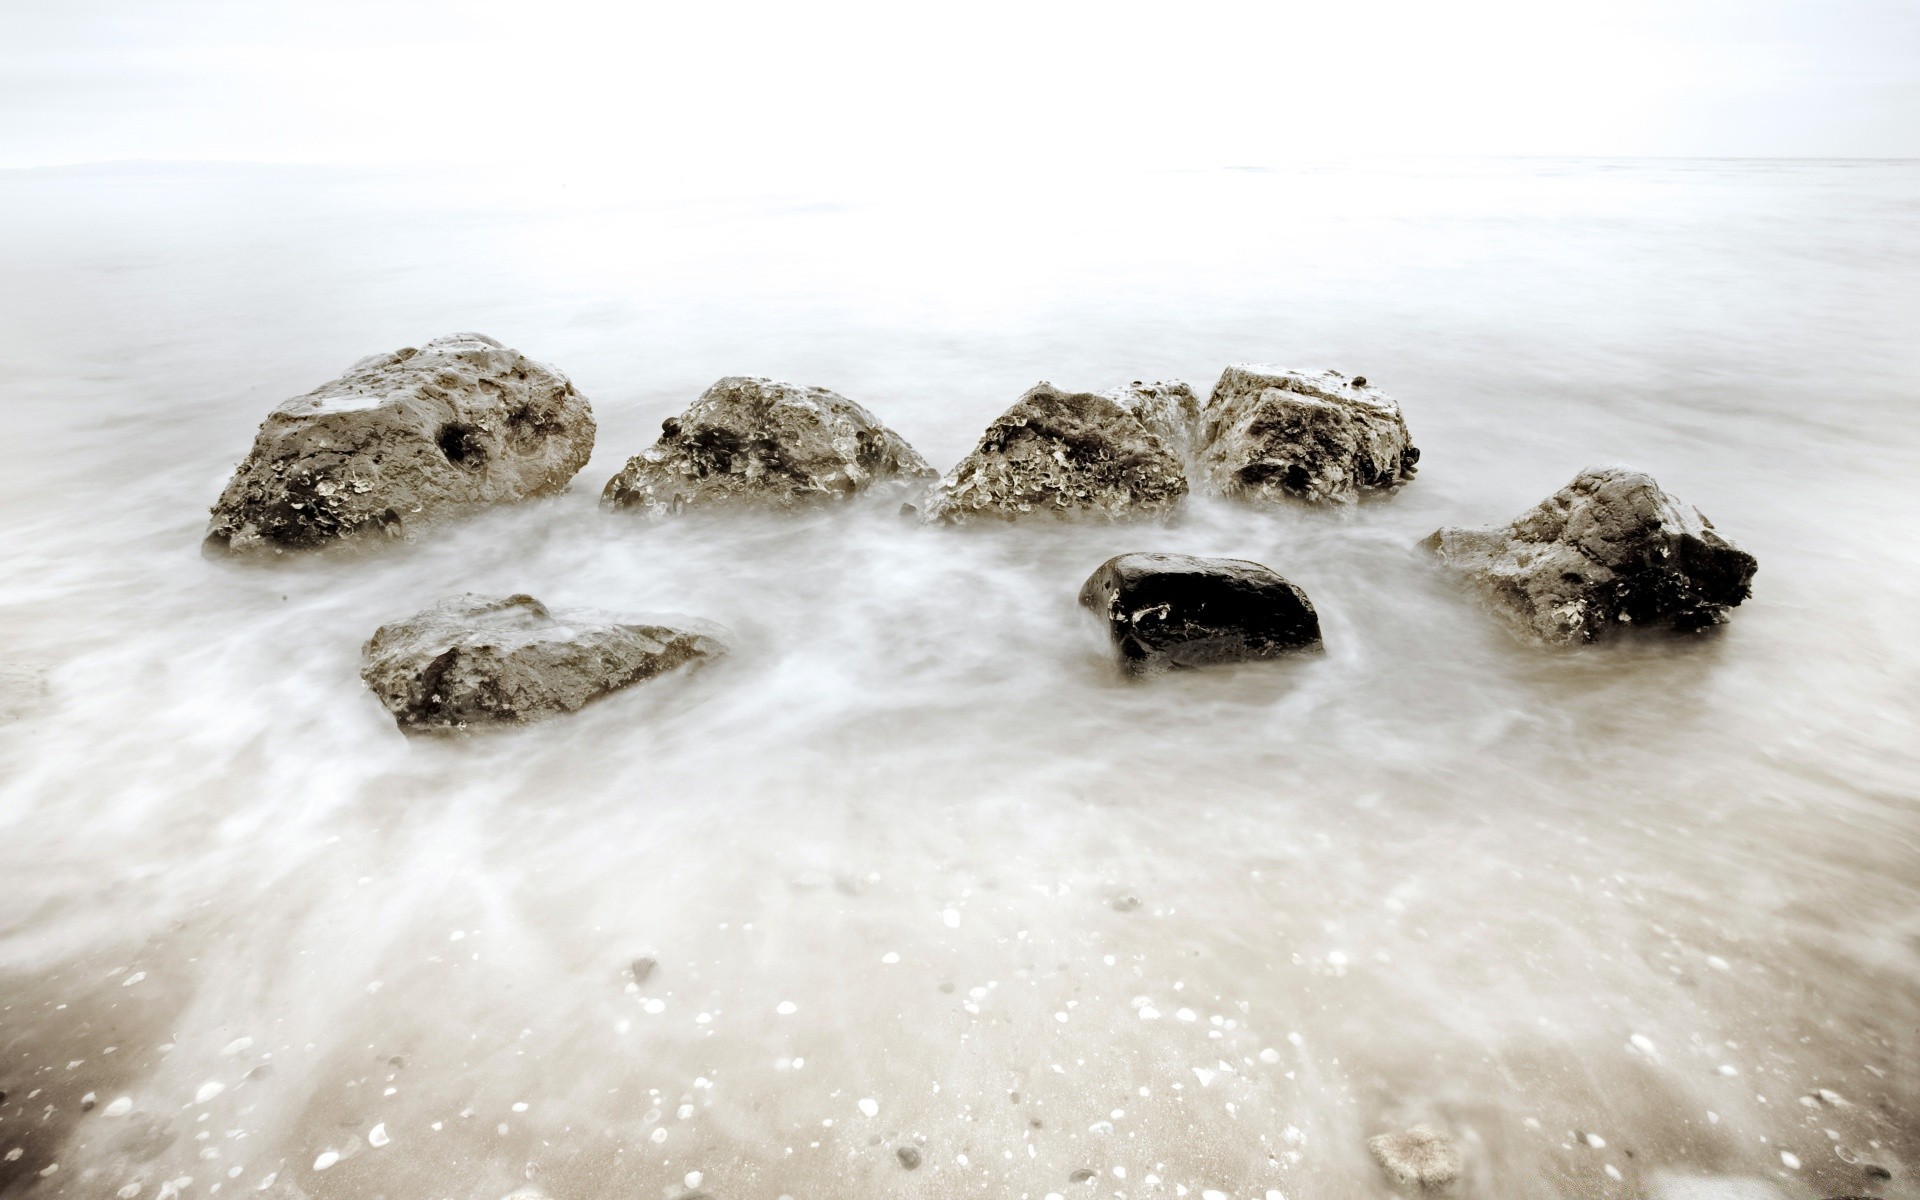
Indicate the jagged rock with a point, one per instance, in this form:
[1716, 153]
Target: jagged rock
[1169, 410]
[1609, 549]
[480, 660]
[1422, 1155]
[1173, 610]
[460, 421]
[1064, 453]
[1271, 434]
[760, 442]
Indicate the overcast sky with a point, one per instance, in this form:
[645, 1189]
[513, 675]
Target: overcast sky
[849, 85]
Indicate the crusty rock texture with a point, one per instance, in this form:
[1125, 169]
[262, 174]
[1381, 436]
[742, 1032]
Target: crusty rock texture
[1067, 454]
[1421, 1156]
[460, 421]
[481, 660]
[1169, 410]
[1174, 610]
[1270, 434]
[759, 442]
[1608, 550]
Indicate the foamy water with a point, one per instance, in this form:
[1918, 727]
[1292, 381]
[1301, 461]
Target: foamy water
[919, 870]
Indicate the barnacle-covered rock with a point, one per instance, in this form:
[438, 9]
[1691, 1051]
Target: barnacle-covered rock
[1271, 434]
[1064, 454]
[1610, 549]
[458, 422]
[480, 660]
[750, 442]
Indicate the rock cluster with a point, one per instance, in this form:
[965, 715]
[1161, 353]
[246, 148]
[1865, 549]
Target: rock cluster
[459, 421]
[1609, 550]
[1270, 434]
[1066, 454]
[759, 442]
[478, 660]
[1173, 610]
[464, 421]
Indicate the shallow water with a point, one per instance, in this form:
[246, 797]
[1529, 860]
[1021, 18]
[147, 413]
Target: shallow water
[1659, 893]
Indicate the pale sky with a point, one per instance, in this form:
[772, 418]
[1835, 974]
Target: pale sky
[851, 85]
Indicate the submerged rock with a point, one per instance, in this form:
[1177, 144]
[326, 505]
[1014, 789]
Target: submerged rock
[1066, 454]
[1271, 434]
[1609, 549]
[760, 442]
[460, 421]
[1422, 1155]
[1173, 610]
[479, 660]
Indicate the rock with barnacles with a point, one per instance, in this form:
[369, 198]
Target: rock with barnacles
[479, 660]
[1169, 410]
[1062, 454]
[1608, 551]
[1421, 1156]
[459, 422]
[1173, 610]
[760, 443]
[1271, 434]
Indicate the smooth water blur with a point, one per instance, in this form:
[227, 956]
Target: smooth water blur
[1613, 917]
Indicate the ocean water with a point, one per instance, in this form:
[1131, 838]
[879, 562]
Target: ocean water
[918, 868]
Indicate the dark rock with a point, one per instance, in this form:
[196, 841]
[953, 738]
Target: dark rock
[909, 1157]
[478, 660]
[1068, 454]
[1608, 550]
[1271, 434]
[1083, 1175]
[1172, 610]
[760, 443]
[642, 968]
[1876, 1171]
[461, 421]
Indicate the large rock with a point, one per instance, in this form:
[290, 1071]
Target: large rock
[1173, 610]
[480, 660]
[759, 442]
[1068, 454]
[1271, 434]
[1608, 550]
[460, 421]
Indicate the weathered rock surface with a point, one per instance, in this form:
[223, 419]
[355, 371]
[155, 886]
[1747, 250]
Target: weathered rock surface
[1422, 1155]
[1608, 550]
[759, 442]
[1069, 454]
[1270, 434]
[1169, 410]
[460, 421]
[480, 660]
[1173, 610]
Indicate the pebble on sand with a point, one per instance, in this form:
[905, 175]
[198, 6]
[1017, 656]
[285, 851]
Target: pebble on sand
[1421, 1155]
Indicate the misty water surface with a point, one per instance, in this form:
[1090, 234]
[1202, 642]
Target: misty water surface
[918, 869]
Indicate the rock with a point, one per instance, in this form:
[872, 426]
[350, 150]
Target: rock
[479, 660]
[759, 442]
[1170, 411]
[1422, 1155]
[909, 1157]
[1064, 453]
[1172, 610]
[460, 421]
[1609, 549]
[643, 968]
[1271, 434]
[22, 689]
